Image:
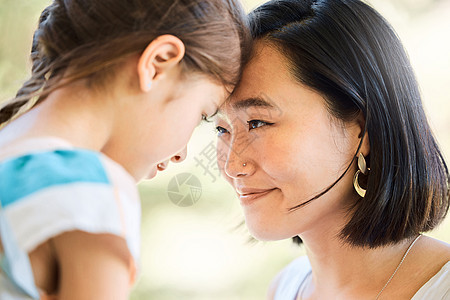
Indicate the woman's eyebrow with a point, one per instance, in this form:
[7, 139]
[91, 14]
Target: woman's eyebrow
[250, 102]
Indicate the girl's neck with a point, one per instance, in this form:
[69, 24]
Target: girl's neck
[69, 113]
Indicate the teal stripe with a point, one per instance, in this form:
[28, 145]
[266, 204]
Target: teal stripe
[25, 175]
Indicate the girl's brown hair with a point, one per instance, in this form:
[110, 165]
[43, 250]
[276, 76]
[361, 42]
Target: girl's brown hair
[94, 36]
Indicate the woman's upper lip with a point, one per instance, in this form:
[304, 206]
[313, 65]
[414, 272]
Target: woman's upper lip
[247, 191]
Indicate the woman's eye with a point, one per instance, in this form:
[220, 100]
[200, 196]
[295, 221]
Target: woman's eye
[220, 130]
[253, 124]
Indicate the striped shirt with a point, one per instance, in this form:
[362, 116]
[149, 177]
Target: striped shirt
[48, 187]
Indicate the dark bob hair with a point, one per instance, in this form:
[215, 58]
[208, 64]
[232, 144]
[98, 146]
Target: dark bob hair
[349, 53]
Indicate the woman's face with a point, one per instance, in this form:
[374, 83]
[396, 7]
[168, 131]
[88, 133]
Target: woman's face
[292, 149]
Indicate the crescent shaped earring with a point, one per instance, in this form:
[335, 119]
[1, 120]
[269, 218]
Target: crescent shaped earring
[362, 169]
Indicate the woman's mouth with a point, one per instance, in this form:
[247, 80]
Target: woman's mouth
[249, 196]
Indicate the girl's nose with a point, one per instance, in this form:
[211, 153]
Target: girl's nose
[163, 165]
[180, 156]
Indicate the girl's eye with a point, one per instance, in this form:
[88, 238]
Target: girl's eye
[253, 124]
[220, 130]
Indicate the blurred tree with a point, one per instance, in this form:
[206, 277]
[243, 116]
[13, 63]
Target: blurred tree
[18, 20]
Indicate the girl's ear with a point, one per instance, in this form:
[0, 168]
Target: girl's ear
[162, 54]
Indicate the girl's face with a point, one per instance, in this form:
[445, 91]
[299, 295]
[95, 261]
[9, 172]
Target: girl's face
[173, 123]
[279, 147]
[167, 125]
[156, 125]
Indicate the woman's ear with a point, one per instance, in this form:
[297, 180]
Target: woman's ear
[162, 54]
[365, 146]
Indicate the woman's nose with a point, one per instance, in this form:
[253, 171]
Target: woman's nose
[235, 162]
[238, 167]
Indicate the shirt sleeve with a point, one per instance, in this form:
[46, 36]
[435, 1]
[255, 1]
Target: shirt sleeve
[48, 193]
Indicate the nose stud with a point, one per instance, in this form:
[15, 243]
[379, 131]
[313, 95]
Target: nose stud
[244, 164]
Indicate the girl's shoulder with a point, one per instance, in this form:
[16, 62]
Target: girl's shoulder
[50, 190]
[286, 284]
[48, 187]
[35, 165]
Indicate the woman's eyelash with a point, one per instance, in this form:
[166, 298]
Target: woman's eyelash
[253, 124]
[220, 130]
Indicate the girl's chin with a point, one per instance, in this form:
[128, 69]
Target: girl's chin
[152, 173]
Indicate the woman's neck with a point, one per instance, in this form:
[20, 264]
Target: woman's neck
[354, 272]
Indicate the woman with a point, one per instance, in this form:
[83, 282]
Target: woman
[116, 88]
[327, 142]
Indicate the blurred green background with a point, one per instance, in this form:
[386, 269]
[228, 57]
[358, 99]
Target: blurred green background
[201, 251]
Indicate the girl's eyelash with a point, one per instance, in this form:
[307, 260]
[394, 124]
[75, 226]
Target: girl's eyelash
[206, 119]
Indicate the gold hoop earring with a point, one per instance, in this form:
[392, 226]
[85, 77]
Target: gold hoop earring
[358, 188]
[362, 169]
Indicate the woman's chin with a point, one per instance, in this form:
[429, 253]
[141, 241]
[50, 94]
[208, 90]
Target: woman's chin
[264, 233]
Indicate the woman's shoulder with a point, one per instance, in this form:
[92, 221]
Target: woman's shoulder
[286, 283]
[438, 287]
[433, 263]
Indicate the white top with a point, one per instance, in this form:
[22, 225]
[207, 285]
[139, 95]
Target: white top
[48, 187]
[293, 275]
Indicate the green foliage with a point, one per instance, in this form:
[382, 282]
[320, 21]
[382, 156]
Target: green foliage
[18, 20]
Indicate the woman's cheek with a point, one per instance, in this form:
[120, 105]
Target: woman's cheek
[222, 156]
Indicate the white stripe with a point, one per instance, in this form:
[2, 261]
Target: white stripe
[89, 207]
[130, 203]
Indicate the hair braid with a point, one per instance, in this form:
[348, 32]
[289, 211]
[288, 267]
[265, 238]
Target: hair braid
[40, 67]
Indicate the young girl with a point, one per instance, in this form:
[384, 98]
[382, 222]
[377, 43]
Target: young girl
[328, 142]
[116, 88]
